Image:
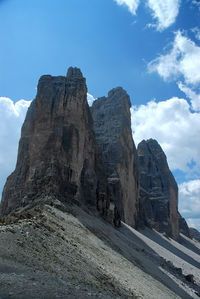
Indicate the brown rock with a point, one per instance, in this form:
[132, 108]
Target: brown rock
[57, 151]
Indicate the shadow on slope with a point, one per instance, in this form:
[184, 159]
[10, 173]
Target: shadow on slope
[191, 246]
[167, 245]
[127, 242]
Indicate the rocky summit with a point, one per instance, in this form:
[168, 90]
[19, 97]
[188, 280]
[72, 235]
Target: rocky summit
[158, 189]
[112, 126]
[57, 153]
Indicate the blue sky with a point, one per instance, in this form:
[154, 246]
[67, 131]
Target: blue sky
[151, 48]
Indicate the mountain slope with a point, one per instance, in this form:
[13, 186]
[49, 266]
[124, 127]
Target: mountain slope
[57, 252]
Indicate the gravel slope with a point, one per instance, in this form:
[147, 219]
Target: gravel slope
[49, 253]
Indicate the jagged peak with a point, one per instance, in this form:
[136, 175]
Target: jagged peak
[117, 91]
[117, 94]
[120, 94]
[149, 141]
[151, 144]
[74, 72]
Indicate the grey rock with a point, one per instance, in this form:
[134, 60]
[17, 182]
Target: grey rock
[183, 227]
[112, 126]
[194, 233]
[158, 190]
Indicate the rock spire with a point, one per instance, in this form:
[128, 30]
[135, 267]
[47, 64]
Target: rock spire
[112, 126]
[57, 152]
[158, 189]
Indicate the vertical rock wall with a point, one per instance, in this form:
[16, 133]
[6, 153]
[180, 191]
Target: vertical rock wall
[57, 150]
[112, 126]
[158, 189]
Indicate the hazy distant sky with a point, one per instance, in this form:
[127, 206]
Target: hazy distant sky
[151, 48]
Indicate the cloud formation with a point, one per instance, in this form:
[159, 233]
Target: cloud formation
[183, 60]
[196, 31]
[165, 12]
[131, 4]
[192, 95]
[189, 202]
[90, 99]
[174, 126]
[12, 117]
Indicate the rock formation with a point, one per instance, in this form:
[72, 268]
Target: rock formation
[57, 151]
[194, 234]
[65, 154]
[183, 227]
[112, 126]
[158, 189]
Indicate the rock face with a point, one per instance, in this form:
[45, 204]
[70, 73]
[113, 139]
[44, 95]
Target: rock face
[57, 150]
[158, 189]
[194, 234]
[183, 227]
[112, 126]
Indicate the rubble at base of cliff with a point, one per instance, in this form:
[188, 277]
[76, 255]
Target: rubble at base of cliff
[53, 251]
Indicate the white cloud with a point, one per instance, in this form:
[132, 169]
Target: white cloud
[189, 202]
[174, 126]
[196, 31]
[196, 2]
[182, 60]
[12, 117]
[164, 11]
[90, 99]
[192, 95]
[131, 4]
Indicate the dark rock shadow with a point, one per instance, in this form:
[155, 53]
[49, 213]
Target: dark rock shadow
[183, 241]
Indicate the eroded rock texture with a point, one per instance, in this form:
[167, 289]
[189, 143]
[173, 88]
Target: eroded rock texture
[112, 125]
[158, 190]
[57, 150]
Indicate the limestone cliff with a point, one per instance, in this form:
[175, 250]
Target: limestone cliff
[158, 189]
[112, 126]
[57, 150]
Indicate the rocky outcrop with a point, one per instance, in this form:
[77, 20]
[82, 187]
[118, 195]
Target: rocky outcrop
[183, 227]
[57, 151]
[158, 190]
[194, 234]
[112, 126]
